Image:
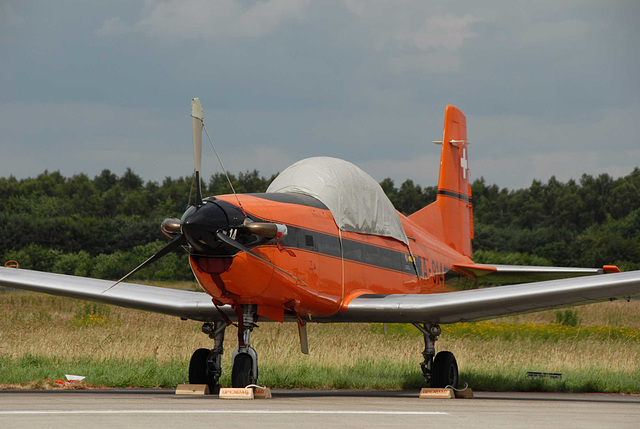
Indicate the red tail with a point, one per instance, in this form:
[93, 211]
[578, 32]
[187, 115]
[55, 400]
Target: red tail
[451, 217]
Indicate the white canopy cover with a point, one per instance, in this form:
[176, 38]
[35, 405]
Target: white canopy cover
[355, 199]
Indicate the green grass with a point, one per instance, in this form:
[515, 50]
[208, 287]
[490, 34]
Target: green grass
[552, 332]
[363, 375]
[596, 379]
[110, 372]
[44, 337]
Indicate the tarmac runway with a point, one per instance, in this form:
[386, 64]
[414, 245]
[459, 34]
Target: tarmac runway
[142, 408]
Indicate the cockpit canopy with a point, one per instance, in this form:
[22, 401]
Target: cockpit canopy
[355, 199]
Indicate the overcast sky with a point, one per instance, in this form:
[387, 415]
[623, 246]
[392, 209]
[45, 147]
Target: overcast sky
[548, 87]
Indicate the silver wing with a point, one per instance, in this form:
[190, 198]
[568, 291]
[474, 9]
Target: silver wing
[440, 308]
[174, 302]
[491, 302]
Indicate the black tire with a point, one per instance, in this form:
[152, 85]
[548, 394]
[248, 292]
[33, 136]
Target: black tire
[445, 370]
[199, 370]
[242, 372]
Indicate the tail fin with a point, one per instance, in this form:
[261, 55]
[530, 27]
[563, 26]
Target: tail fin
[450, 218]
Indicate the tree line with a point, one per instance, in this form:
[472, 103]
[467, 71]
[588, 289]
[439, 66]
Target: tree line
[106, 225]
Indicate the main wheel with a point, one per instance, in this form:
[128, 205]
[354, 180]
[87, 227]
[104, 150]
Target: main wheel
[242, 372]
[445, 370]
[199, 370]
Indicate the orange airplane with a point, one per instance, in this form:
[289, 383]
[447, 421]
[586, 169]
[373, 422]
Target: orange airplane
[325, 244]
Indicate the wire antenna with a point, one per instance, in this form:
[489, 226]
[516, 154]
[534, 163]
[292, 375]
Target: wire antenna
[224, 170]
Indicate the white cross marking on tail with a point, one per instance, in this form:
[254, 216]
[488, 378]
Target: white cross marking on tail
[464, 163]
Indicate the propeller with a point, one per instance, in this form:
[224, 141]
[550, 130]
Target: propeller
[203, 224]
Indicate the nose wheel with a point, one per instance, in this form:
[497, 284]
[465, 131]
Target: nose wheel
[242, 373]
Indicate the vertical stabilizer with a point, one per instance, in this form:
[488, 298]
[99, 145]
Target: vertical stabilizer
[450, 218]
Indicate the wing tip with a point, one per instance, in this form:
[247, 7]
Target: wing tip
[610, 269]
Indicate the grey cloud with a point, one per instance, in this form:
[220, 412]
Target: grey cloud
[208, 21]
[367, 81]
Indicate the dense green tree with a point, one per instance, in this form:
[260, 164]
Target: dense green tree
[243, 183]
[106, 225]
[410, 197]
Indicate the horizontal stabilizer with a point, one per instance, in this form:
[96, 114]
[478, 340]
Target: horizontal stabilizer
[501, 274]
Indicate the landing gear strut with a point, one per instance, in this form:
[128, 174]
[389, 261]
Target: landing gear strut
[205, 366]
[245, 358]
[442, 370]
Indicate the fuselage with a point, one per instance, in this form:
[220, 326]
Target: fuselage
[320, 268]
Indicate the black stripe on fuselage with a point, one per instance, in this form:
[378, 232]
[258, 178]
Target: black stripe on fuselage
[452, 194]
[355, 251]
[329, 245]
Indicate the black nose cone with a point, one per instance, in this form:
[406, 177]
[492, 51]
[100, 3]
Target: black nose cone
[200, 224]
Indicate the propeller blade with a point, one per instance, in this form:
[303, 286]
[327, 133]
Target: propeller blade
[237, 245]
[171, 227]
[265, 229]
[197, 123]
[174, 244]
